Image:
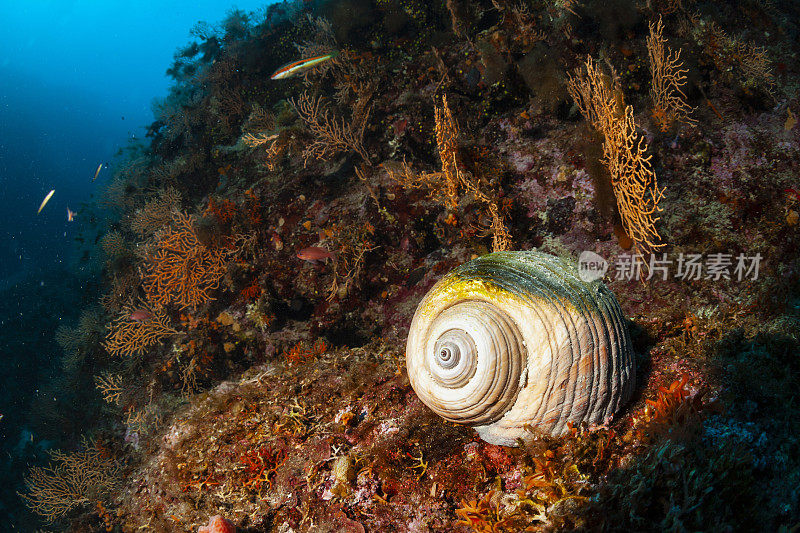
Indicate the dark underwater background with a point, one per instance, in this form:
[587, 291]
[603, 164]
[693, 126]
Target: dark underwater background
[77, 80]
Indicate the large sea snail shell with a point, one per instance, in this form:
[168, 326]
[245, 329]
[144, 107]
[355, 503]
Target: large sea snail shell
[517, 339]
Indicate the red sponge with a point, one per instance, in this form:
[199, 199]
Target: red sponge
[217, 524]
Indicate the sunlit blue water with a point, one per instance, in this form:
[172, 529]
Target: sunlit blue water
[77, 79]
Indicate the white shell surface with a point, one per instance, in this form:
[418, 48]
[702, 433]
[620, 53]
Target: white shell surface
[517, 338]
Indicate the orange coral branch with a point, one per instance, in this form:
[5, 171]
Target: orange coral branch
[447, 143]
[133, 337]
[669, 101]
[624, 154]
[445, 186]
[70, 481]
[182, 271]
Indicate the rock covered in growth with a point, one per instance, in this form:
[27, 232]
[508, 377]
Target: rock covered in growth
[312, 438]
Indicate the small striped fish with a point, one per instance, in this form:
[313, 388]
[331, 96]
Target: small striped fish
[296, 67]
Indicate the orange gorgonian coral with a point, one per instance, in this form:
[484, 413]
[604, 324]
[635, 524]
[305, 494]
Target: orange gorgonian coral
[182, 271]
[636, 189]
[445, 186]
[669, 101]
[441, 186]
[71, 480]
[131, 335]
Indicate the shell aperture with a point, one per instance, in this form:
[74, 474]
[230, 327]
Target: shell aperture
[516, 339]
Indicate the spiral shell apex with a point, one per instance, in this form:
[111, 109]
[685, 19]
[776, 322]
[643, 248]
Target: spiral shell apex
[516, 339]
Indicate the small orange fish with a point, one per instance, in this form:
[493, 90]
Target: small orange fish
[140, 315]
[315, 254]
[71, 215]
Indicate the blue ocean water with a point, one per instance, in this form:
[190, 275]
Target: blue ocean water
[77, 79]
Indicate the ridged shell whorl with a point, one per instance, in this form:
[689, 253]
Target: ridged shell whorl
[517, 338]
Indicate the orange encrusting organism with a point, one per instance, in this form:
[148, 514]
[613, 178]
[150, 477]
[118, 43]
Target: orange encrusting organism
[223, 210]
[300, 352]
[252, 291]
